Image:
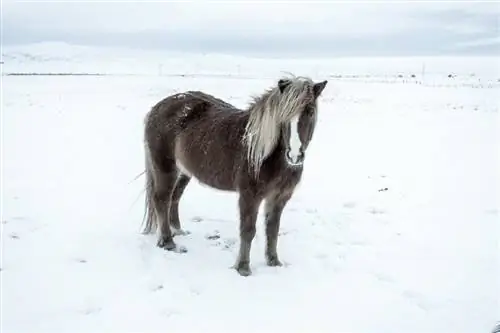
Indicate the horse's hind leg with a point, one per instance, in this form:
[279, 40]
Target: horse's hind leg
[164, 187]
[175, 223]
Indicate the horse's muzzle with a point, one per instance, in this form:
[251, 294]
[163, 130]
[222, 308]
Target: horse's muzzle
[294, 159]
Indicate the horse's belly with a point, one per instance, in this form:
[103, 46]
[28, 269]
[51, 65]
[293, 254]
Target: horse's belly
[215, 180]
[207, 169]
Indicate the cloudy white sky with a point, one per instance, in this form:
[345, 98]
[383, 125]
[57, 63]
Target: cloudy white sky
[267, 28]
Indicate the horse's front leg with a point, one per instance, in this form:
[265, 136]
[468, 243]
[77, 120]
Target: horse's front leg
[249, 208]
[273, 210]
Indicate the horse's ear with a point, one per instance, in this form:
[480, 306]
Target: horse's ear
[282, 84]
[318, 88]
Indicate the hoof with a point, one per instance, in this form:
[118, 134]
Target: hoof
[169, 245]
[273, 261]
[180, 249]
[243, 268]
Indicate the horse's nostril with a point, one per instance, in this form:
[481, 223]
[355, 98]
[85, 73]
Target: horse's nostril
[294, 159]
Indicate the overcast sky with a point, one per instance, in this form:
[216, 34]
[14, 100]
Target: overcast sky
[297, 28]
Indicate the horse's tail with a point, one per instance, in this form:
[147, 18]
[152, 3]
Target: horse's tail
[149, 213]
[137, 177]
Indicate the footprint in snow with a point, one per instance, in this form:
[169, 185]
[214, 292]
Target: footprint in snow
[491, 211]
[196, 219]
[285, 232]
[228, 243]
[170, 312]
[384, 278]
[416, 299]
[311, 211]
[322, 256]
[157, 287]
[213, 236]
[350, 204]
[376, 211]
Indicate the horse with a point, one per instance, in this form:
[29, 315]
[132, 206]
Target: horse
[257, 152]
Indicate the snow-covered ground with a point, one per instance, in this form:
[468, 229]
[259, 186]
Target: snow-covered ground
[395, 227]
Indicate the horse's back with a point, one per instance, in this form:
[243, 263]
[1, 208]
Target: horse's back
[212, 100]
[179, 110]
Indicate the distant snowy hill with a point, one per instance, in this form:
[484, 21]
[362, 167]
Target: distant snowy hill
[57, 57]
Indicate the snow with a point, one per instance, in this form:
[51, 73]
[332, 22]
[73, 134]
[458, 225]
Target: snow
[394, 227]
